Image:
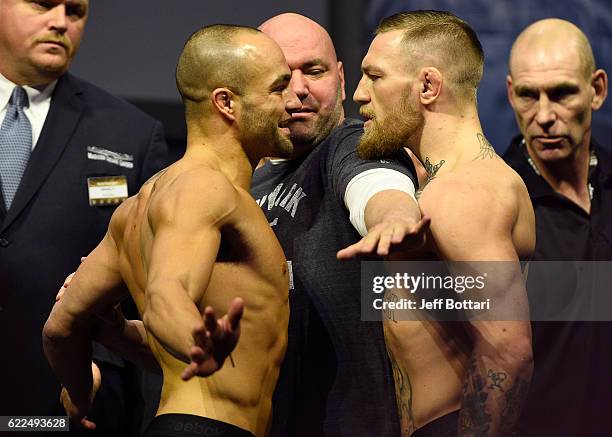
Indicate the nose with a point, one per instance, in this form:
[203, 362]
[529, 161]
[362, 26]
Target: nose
[57, 18]
[292, 102]
[361, 95]
[546, 115]
[298, 84]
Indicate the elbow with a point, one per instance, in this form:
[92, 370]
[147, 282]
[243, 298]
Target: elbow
[516, 355]
[53, 333]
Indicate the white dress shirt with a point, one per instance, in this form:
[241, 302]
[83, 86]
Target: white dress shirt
[40, 101]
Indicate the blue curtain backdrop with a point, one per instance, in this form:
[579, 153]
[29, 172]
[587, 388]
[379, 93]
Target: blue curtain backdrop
[498, 22]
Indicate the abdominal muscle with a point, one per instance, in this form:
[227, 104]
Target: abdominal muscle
[240, 393]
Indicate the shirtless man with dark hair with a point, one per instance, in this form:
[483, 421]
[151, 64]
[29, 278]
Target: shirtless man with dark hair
[418, 90]
[193, 238]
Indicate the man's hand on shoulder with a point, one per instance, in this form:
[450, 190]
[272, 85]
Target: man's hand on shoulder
[214, 340]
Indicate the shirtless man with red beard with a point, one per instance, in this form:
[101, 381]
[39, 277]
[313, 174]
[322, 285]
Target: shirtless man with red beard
[418, 90]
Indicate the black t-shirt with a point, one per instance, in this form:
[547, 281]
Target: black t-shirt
[571, 388]
[335, 379]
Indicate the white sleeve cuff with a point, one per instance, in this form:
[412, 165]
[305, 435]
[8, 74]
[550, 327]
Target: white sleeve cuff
[365, 185]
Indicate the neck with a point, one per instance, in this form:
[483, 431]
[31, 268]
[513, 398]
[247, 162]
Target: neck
[451, 138]
[225, 154]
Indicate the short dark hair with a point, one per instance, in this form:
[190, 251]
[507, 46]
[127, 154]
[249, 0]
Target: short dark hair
[210, 60]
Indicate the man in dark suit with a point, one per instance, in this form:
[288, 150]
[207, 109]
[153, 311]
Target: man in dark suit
[69, 153]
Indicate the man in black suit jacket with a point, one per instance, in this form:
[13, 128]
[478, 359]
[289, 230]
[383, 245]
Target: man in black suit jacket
[58, 212]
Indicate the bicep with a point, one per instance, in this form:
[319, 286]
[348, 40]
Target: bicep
[182, 259]
[186, 236]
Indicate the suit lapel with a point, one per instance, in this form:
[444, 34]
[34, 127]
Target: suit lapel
[64, 114]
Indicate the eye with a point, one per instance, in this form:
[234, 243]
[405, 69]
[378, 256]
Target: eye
[526, 94]
[558, 94]
[315, 71]
[44, 4]
[76, 10]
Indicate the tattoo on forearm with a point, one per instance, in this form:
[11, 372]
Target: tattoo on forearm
[492, 402]
[474, 421]
[403, 396]
[496, 378]
[486, 149]
[515, 396]
[431, 170]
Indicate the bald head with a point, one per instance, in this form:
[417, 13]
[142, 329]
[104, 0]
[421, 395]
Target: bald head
[218, 56]
[547, 41]
[295, 30]
[317, 77]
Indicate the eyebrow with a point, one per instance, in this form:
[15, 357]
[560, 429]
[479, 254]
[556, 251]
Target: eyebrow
[369, 69]
[562, 86]
[314, 63]
[282, 79]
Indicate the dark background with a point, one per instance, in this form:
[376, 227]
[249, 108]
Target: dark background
[131, 48]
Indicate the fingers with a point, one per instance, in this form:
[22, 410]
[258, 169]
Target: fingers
[235, 312]
[87, 424]
[190, 371]
[65, 285]
[349, 252]
[60, 294]
[210, 320]
[384, 241]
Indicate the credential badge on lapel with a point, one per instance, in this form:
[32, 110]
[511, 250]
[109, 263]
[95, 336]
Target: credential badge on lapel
[101, 154]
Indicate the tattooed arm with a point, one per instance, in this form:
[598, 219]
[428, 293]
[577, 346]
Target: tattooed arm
[472, 223]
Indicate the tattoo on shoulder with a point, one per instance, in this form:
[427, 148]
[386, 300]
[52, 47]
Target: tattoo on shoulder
[431, 170]
[403, 396]
[486, 149]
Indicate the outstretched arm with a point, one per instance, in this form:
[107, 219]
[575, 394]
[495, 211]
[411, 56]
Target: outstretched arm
[394, 225]
[187, 235]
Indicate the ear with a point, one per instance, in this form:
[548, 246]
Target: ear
[223, 101]
[341, 76]
[599, 82]
[509, 90]
[431, 82]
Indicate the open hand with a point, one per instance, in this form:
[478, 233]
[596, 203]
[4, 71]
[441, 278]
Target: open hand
[389, 237]
[214, 340]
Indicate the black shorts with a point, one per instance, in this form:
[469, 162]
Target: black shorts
[445, 426]
[181, 425]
